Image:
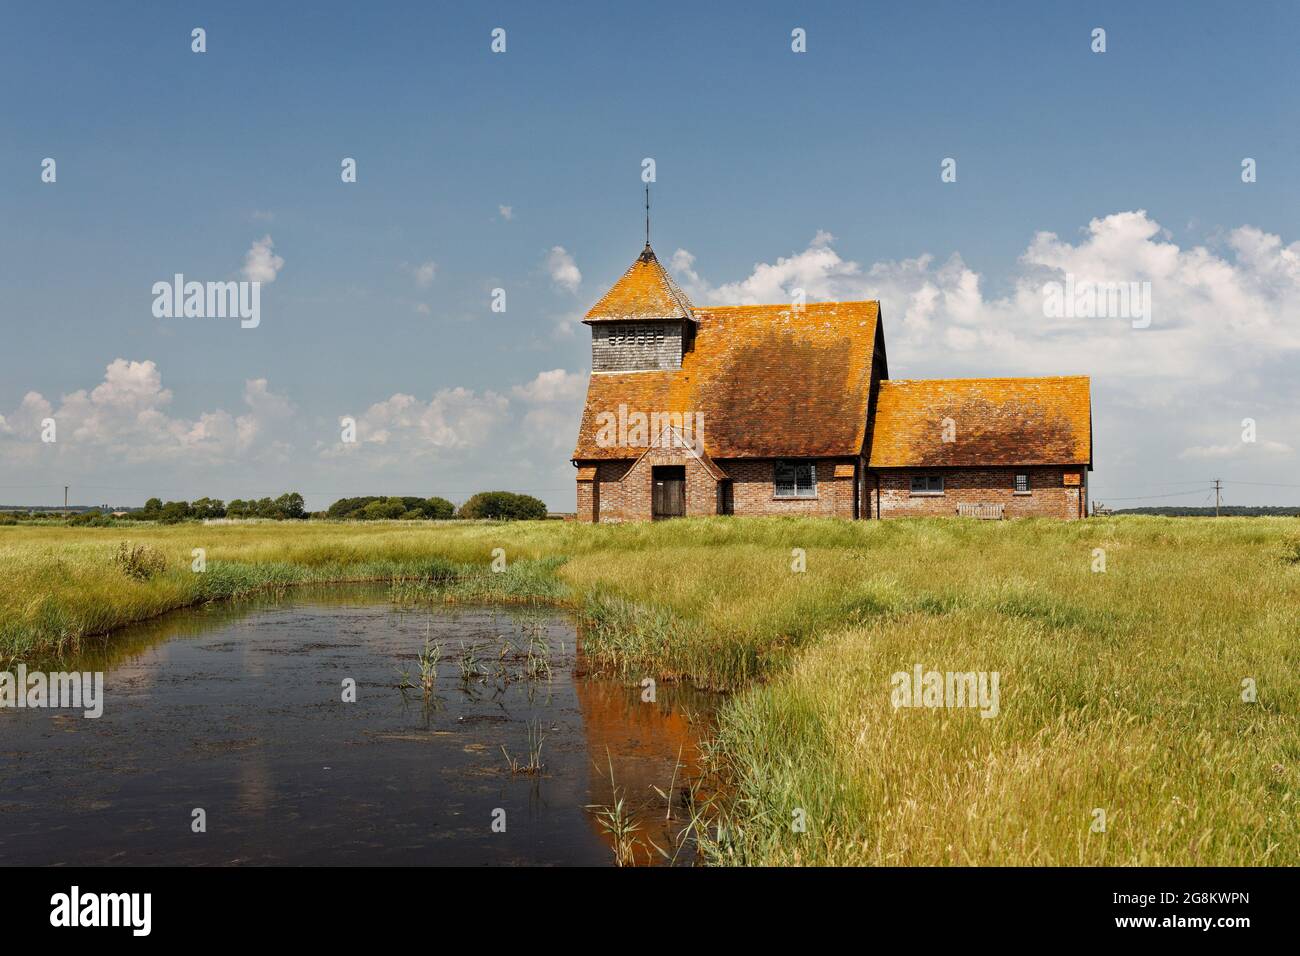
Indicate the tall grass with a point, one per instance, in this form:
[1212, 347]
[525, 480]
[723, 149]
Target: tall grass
[1121, 691]
[63, 585]
[1158, 739]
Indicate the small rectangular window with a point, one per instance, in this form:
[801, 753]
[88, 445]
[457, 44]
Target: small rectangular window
[795, 479]
[1022, 484]
[927, 484]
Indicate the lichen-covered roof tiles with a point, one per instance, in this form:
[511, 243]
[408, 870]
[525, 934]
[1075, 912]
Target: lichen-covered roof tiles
[993, 421]
[645, 291]
[767, 380]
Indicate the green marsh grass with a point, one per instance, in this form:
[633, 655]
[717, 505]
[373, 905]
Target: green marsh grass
[1120, 691]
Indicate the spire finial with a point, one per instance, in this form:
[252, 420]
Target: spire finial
[647, 215]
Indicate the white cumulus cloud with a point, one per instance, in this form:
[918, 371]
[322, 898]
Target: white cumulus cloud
[125, 418]
[261, 264]
[409, 427]
[564, 271]
[424, 273]
[557, 385]
[937, 314]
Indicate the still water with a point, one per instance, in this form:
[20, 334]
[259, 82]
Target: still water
[238, 710]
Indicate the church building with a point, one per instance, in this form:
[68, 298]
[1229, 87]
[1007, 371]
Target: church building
[789, 410]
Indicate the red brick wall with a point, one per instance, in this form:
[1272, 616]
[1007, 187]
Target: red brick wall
[701, 487]
[622, 492]
[754, 490]
[1048, 496]
[613, 494]
[588, 500]
[623, 489]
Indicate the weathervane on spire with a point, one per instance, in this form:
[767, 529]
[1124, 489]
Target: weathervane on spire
[647, 215]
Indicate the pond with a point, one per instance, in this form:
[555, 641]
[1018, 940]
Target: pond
[238, 710]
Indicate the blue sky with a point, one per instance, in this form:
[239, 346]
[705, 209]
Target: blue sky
[171, 161]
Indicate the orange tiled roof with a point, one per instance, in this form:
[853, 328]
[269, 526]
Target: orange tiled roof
[995, 421]
[645, 291]
[768, 381]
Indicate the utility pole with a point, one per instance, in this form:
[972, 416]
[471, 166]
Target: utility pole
[1217, 485]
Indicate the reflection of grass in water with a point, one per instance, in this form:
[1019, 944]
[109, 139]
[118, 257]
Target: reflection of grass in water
[429, 663]
[429, 666]
[427, 659]
[617, 821]
[535, 653]
[537, 665]
[695, 813]
[625, 824]
[470, 670]
[533, 764]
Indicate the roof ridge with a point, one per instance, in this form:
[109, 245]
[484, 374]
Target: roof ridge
[786, 305]
[985, 378]
[673, 288]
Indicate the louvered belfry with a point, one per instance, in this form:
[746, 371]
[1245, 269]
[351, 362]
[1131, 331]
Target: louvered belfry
[643, 322]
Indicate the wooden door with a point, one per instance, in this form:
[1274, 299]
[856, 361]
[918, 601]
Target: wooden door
[669, 491]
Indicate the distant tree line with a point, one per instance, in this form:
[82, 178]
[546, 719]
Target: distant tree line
[504, 505]
[288, 506]
[493, 505]
[1231, 511]
[375, 508]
